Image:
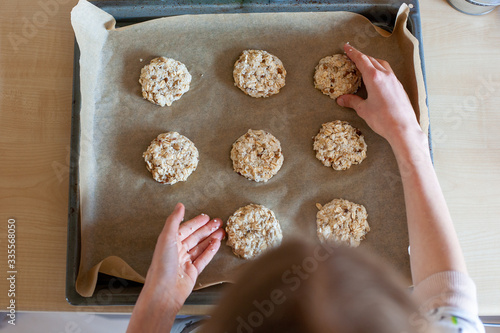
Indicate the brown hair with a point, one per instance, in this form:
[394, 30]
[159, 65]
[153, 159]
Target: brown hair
[302, 287]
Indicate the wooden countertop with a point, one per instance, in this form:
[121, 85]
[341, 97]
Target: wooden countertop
[462, 56]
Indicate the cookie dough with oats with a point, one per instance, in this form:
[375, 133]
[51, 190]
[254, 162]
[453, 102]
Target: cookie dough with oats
[259, 73]
[164, 81]
[257, 155]
[171, 158]
[251, 230]
[339, 145]
[337, 75]
[342, 221]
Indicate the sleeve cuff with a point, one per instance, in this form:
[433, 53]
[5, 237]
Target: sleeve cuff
[449, 288]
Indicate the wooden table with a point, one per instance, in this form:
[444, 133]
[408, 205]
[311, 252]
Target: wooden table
[462, 55]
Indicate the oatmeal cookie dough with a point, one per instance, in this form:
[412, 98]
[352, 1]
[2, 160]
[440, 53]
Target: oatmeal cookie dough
[164, 81]
[257, 155]
[339, 145]
[337, 75]
[259, 74]
[251, 230]
[171, 158]
[342, 221]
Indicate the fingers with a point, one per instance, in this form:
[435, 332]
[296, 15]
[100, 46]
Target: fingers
[172, 222]
[376, 64]
[350, 101]
[364, 62]
[207, 255]
[361, 60]
[195, 252]
[189, 227]
[166, 247]
[386, 65]
[199, 235]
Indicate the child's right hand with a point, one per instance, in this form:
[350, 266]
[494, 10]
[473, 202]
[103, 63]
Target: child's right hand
[387, 109]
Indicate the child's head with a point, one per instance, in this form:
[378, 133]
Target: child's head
[302, 287]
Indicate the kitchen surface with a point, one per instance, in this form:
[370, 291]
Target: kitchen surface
[462, 66]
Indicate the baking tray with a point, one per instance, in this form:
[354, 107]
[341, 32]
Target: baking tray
[116, 291]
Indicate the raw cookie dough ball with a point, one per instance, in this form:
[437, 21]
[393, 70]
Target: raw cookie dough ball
[171, 158]
[339, 145]
[337, 75]
[251, 230]
[342, 221]
[257, 155]
[164, 80]
[259, 74]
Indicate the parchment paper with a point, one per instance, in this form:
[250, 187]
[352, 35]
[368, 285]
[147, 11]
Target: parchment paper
[123, 209]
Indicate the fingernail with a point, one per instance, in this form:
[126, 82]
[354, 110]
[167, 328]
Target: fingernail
[350, 48]
[340, 101]
[203, 214]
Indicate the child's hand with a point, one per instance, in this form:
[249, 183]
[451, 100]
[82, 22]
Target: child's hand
[387, 109]
[182, 252]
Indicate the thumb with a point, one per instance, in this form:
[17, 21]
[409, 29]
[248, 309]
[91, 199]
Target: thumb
[349, 101]
[172, 224]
